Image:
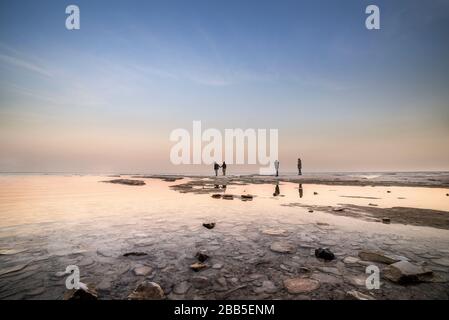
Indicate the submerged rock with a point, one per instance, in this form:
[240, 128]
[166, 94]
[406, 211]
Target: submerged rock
[301, 285]
[404, 272]
[381, 257]
[147, 291]
[134, 254]
[198, 266]
[209, 225]
[83, 293]
[201, 256]
[200, 282]
[351, 260]
[182, 287]
[355, 295]
[324, 253]
[275, 232]
[283, 247]
[127, 182]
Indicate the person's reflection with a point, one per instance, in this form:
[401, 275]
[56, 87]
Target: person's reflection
[277, 191]
[300, 191]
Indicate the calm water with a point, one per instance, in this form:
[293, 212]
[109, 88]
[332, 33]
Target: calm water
[61, 220]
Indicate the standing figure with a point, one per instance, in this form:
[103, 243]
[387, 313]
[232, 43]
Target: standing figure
[223, 168]
[299, 167]
[276, 166]
[216, 167]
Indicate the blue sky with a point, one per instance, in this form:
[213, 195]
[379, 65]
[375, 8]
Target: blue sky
[106, 97]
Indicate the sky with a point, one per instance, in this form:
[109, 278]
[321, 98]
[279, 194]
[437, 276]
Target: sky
[105, 98]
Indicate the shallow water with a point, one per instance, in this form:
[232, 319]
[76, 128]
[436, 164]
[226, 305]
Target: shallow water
[62, 220]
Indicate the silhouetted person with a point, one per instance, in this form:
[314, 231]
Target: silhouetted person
[223, 168]
[276, 166]
[299, 167]
[300, 191]
[277, 191]
[216, 167]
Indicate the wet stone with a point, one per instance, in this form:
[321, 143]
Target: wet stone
[404, 272]
[275, 232]
[209, 225]
[201, 256]
[198, 266]
[147, 291]
[142, 270]
[324, 253]
[301, 285]
[182, 287]
[356, 295]
[351, 260]
[442, 262]
[200, 282]
[283, 247]
[83, 293]
[381, 257]
[134, 254]
[267, 287]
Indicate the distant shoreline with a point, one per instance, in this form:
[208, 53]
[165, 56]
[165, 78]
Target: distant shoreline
[432, 179]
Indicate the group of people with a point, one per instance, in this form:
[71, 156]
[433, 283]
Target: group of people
[217, 167]
[276, 167]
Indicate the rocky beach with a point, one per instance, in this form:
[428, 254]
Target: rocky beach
[237, 237]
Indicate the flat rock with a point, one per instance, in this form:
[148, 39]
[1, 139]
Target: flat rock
[147, 291]
[5, 252]
[442, 262]
[404, 272]
[13, 269]
[275, 232]
[182, 287]
[301, 285]
[267, 287]
[351, 260]
[200, 282]
[327, 278]
[142, 270]
[128, 182]
[198, 266]
[283, 247]
[381, 257]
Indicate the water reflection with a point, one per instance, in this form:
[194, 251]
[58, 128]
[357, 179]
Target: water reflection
[300, 190]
